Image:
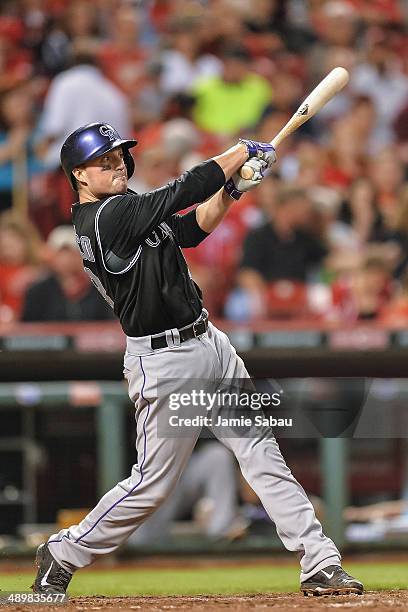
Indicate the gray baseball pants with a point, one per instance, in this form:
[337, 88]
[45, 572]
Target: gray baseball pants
[209, 474]
[161, 461]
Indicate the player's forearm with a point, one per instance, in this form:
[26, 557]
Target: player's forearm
[209, 214]
[232, 159]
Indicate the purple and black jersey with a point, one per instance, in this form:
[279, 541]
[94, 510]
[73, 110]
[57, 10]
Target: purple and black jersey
[131, 247]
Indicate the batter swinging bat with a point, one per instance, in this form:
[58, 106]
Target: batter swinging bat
[322, 93]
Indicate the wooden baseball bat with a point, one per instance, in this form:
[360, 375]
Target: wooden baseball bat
[322, 93]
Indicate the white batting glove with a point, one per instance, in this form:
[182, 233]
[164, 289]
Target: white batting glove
[237, 185]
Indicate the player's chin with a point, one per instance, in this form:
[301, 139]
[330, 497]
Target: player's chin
[119, 185]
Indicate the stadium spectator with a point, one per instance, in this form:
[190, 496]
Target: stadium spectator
[15, 61]
[233, 101]
[148, 102]
[355, 230]
[381, 77]
[51, 50]
[309, 165]
[35, 21]
[183, 63]
[121, 57]
[345, 157]
[224, 25]
[395, 312]
[268, 32]
[78, 96]
[81, 20]
[66, 292]
[398, 233]
[363, 118]
[178, 107]
[16, 141]
[19, 263]
[363, 293]
[401, 134]
[341, 238]
[360, 212]
[50, 29]
[282, 249]
[336, 26]
[287, 91]
[153, 169]
[386, 172]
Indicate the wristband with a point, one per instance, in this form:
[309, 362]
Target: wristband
[232, 191]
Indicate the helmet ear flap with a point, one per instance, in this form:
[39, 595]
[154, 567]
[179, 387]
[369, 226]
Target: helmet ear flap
[73, 181]
[129, 162]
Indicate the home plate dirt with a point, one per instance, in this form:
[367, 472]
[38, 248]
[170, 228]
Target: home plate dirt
[372, 600]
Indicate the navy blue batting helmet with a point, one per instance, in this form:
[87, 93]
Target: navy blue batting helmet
[91, 141]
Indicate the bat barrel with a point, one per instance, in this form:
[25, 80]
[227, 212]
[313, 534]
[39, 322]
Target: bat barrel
[321, 94]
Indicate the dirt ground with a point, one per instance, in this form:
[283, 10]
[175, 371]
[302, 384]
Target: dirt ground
[372, 600]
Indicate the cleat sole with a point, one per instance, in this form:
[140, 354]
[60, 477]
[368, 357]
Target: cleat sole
[331, 591]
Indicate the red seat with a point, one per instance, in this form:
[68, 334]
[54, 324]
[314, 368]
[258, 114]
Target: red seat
[286, 299]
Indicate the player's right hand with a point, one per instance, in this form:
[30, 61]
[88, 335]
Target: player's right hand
[237, 185]
[260, 150]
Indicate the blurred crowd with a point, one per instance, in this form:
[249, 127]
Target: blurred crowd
[324, 237]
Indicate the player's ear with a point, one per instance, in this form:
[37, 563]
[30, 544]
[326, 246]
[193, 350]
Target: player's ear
[79, 173]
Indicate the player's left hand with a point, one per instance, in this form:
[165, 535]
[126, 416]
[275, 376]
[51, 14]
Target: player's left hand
[237, 185]
[260, 150]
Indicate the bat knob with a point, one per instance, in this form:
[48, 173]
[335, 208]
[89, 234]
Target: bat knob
[246, 172]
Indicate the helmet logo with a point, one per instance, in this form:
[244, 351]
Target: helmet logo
[108, 132]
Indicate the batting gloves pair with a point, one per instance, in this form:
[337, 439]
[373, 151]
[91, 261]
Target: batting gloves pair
[261, 155]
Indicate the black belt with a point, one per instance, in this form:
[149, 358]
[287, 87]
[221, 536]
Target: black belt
[186, 333]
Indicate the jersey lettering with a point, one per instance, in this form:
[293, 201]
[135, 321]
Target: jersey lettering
[85, 248]
[154, 240]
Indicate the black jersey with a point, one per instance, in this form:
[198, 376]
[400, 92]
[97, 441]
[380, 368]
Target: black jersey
[130, 245]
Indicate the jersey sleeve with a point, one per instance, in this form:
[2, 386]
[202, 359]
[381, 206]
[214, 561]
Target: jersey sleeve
[186, 230]
[123, 222]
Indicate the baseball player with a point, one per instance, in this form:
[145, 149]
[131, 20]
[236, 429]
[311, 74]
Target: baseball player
[131, 248]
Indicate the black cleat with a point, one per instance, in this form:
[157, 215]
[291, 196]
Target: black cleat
[331, 580]
[51, 577]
